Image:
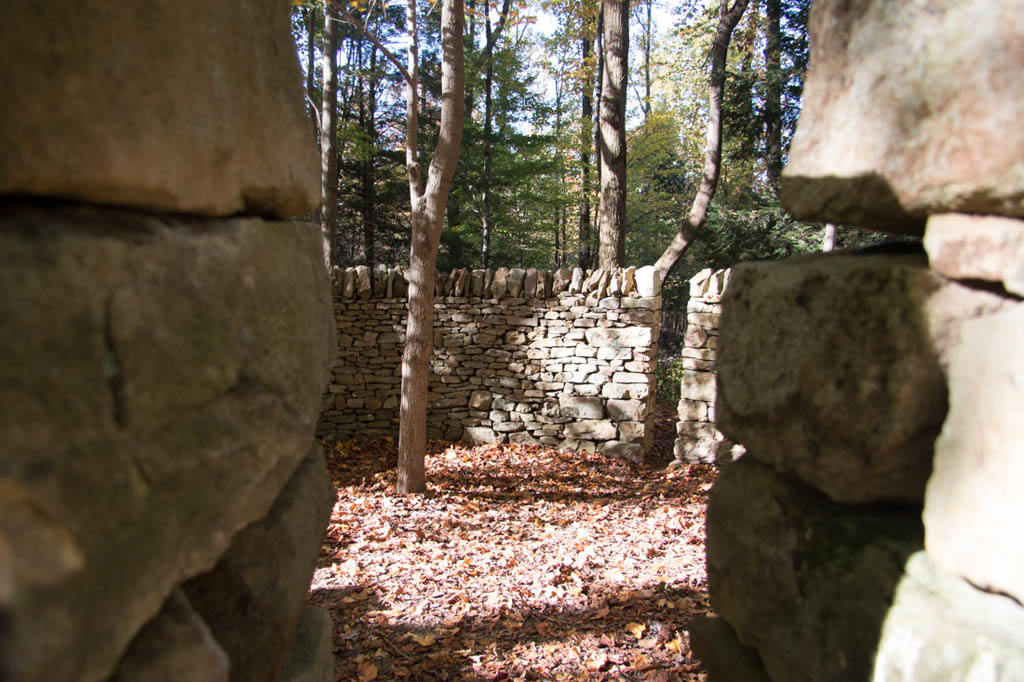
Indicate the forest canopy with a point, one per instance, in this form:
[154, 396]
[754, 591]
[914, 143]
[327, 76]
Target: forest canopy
[526, 187]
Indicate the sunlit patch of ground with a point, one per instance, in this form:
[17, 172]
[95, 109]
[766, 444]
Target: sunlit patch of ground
[520, 562]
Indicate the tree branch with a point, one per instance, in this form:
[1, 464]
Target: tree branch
[344, 14]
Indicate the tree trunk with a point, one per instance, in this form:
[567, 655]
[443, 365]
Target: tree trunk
[727, 20]
[328, 140]
[612, 229]
[310, 20]
[485, 213]
[427, 206]
[773, 94]
[647, 60]
[368, 172]
[586, 112]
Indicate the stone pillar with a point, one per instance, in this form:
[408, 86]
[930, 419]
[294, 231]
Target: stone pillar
[698, 440]
[166, 336]
[873, 390]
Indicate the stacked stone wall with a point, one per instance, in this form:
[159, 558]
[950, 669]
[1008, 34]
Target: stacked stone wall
[564, 358]
[698, 439]
[872, 529]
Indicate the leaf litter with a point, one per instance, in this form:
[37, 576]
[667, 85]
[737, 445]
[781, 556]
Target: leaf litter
[519, 563]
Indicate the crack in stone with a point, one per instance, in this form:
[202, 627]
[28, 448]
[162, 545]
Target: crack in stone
[112, 362]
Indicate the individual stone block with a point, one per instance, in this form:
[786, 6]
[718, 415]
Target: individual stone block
[628, 410]
[476, 285]
[478, 435]
[977, 247]
[380, 280]
[311, 653]
[462, 284]
[631, 452]
[562, 279]
[714, 642]
[585, 407]
[624, 337]
[516, 278]
[596, 429]
[480, 400]
[629, 280]
[893, 129]
[224, 132]
[499, 285]
[348, 283]
[974, 504]
[698, 386]
[854, 407]
[522, 438]
[175, 645]
[805, 581]
[530, 283]
[253, 597]
[648, 281]
[576, 284]
[364, 282]
[188, 389]
[940, 627]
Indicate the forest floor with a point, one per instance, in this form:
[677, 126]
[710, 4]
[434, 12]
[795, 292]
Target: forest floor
[519, 563]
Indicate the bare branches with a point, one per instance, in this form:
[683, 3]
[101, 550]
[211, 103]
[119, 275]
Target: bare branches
[364, 28]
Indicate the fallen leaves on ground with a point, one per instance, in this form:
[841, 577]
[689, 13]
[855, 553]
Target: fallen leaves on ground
[519, 563]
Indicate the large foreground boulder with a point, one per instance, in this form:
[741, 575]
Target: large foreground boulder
[973, 503]
[909, 108]
[160, 384]
[831, 369]
[942, 628]
[805, 581]
[188, 106]
[253, 597]
[175, 645]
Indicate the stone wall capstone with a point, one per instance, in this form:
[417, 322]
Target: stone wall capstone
[564, 358]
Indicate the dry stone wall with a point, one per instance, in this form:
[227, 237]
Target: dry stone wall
[872, 529]
[698, 439]
[563, 358]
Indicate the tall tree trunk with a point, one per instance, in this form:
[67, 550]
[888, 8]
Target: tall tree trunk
[586, 112]
[773, 94]
[328, 140]
[485, 212]
[647, 60]
[368, 174]
[727, 20]
[492, 35]
[427, 206]
[309, 17]
[612, 229]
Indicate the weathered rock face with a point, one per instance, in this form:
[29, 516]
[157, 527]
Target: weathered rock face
[175, 105]
[988, 248]
[253, 597]
[803, 580]
[941, 628]
[972, 529]
[852, 393]
[311, 654]
[175, 645]
[907, 111]
[150, 365]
